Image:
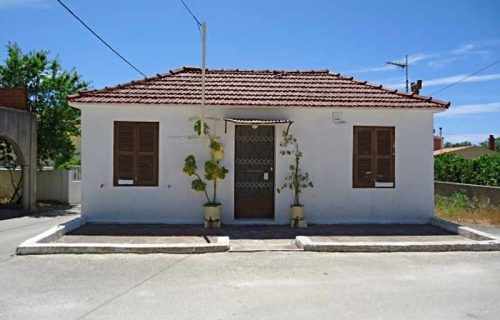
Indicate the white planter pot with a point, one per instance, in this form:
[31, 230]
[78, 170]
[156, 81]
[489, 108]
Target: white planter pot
[297, 219]
[212, 216]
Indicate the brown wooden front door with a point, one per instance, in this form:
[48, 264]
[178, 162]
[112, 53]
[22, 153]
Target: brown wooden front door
[254, 172]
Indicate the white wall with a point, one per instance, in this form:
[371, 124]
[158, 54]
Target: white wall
[328, 158]
[58, 185]
[52, 185]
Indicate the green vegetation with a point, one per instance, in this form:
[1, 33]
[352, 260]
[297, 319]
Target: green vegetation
[48, 86]
[457, 144]
[214, 170]
[484, 170]
[460, 208]
[296, 180]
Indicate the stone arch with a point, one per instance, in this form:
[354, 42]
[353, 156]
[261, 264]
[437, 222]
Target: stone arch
[19, 128]
[20, 157]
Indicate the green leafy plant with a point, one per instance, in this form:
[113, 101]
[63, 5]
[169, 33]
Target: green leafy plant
[214, 170]
[48, 85]
[484, 170]
[297, 180]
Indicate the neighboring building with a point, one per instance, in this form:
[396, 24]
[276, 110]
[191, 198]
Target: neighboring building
[18, 126]
[368, 149]
[468, 152]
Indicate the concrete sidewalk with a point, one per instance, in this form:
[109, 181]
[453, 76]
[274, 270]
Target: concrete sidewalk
[78, 237]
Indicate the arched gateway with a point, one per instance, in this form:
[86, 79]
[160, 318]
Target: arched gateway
[18, 126]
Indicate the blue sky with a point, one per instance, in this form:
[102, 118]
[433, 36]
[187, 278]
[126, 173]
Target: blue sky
[444, 39]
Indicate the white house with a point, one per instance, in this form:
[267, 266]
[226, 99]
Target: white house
[368, 149]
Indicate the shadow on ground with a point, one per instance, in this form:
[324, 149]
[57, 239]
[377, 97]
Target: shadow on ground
[259, 232]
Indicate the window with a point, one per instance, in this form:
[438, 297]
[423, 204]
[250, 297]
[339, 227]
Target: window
[135, 158]
[373, 157]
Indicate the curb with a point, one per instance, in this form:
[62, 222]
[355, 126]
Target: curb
[444, 246]
[483, 242]
[467, 232]
[43, 244]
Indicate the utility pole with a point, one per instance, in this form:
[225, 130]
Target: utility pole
[203, 29]
[202, 26]
[404, 66]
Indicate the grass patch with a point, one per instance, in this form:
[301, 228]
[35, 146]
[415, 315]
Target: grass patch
[460, 208]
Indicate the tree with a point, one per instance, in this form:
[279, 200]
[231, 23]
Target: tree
[48, 85]
[457, 144]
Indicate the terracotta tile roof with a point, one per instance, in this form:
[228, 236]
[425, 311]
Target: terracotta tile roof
[315, 88]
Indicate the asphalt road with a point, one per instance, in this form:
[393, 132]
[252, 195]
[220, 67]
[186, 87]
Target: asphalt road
[266, 285]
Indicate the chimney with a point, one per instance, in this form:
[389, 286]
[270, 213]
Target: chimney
[416, 86]
[491, 143]
[438, 143]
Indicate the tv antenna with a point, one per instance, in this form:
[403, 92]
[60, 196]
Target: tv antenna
[404, 66]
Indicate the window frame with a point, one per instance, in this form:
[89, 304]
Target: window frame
[374, 157]
[136, 153]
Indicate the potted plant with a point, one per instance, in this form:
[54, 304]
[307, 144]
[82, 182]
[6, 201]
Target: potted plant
[214, 171]
[296, 180]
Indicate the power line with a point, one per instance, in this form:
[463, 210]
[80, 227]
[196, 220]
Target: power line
[191, 13]
[466, 77]
[100, 38]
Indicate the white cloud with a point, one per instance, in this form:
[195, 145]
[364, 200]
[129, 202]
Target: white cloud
[412, 59]
[23, 3]
[469, 48]
[373, 69]
[467, 109]
[475, 138]
[437, 59]
[452, 79]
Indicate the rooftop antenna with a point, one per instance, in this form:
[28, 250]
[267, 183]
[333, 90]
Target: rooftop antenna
[404, 66]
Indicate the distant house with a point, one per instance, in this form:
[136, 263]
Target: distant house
[468, 152]
[368, 149]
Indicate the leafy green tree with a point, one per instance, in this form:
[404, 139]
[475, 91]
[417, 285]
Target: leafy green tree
[457, 144]
[48, 85]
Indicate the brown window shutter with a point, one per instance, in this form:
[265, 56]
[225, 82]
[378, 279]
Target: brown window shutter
[147, 154]
[124, 152]
[373, 156]
[363, 157]
[384, 154]
[135, 153]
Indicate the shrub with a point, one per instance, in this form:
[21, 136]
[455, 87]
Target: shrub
[484, 170]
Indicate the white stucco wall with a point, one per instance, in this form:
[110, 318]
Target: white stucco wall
[328, 158]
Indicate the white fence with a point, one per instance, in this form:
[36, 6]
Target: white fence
[51, 185]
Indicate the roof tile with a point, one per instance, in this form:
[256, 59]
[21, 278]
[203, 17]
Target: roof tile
[311, 88]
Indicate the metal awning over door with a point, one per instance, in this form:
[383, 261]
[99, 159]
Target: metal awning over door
[255, 122]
